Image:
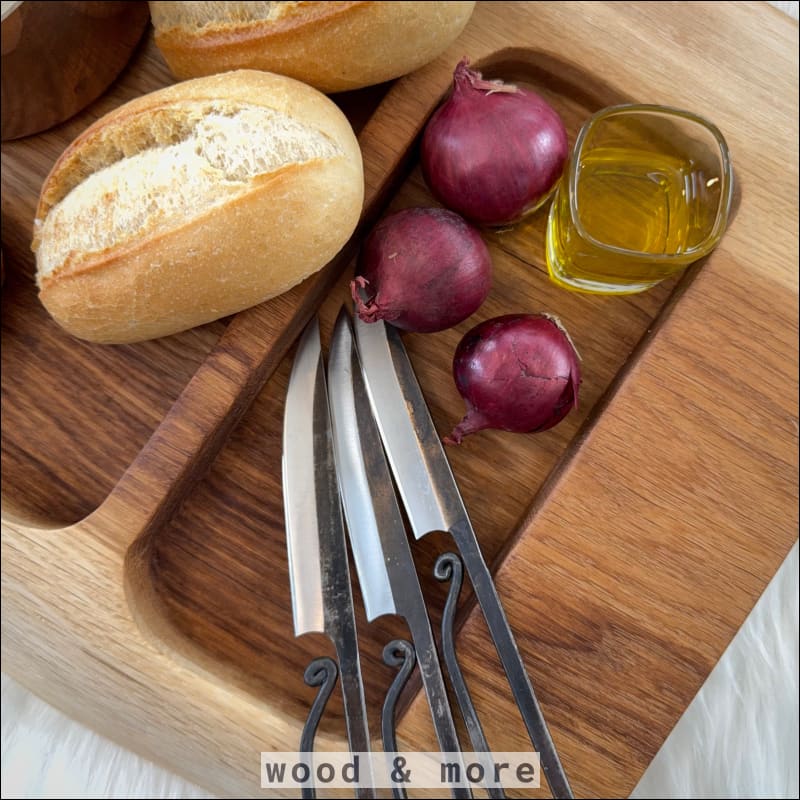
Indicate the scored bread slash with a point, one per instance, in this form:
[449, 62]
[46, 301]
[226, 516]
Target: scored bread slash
[194, 202]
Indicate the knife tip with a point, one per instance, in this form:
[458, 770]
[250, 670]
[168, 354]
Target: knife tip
[343, 328]
[309, 349]
[343, 317]
[310, 337]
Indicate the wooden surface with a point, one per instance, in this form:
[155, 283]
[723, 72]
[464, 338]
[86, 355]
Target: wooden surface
[145, 589]
[59, 57]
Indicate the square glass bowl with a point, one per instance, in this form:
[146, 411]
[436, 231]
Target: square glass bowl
[647, 192]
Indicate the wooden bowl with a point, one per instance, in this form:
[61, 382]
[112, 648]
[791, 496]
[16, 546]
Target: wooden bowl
[59, 57]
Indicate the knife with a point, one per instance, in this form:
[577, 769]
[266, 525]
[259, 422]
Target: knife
[433, 503]
[386, 571]
[322, 600]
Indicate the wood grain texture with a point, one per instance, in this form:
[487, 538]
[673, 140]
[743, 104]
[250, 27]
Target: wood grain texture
[651, 520]
[59, 57]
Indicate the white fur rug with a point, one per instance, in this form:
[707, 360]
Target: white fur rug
[738, 738]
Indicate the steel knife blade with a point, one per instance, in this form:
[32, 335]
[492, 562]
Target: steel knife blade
[433, 503]
[385, 565]
[322, 599]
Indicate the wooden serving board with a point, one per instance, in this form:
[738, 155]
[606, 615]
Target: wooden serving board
[145, 586]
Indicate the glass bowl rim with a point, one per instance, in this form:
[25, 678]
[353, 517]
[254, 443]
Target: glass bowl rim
[726, 194]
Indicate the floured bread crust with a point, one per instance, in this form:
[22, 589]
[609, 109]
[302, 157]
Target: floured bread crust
[334, 46]
[193, 203]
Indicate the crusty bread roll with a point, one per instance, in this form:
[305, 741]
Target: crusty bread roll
[331, 45]
[194, 202]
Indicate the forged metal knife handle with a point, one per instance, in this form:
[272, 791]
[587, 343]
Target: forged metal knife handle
[504, 642]
[345, 640]
[323, 672]
[353, 697]
[320, 672]
[448, 568]
[400, 654]
[433, 682]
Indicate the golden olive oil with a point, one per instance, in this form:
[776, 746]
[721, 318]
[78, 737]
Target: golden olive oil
[637, 211]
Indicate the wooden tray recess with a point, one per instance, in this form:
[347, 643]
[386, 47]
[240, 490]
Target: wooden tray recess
[145, 585]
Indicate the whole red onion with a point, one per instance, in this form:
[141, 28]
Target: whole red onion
[518, 373]
[423, 270]
[492, 152]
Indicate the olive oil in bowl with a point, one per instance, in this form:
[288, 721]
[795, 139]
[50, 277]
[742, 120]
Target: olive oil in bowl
[637, 204]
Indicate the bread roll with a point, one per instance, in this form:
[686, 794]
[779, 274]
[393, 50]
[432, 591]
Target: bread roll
[331, 45]
[194, 202]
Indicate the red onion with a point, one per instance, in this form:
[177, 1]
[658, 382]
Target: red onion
[423, 270]
[492, 152]
[518, 373]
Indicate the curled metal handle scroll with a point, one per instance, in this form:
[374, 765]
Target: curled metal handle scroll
[321, 672]
[398, 653]
[448, 567]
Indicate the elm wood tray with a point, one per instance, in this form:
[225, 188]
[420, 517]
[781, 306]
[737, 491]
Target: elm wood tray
[145, 589]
